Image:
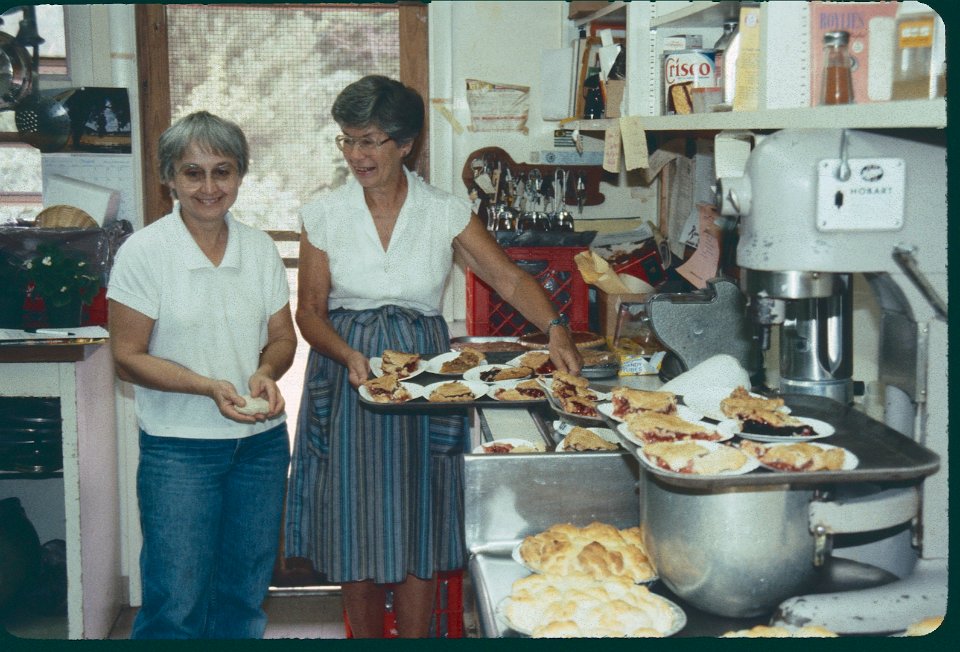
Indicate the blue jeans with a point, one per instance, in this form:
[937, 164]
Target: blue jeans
[210, 515]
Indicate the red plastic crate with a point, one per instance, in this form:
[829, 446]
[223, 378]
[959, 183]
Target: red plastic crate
[489, 314]
[447, 609]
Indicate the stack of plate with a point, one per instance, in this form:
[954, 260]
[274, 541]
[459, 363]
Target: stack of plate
[31, 435]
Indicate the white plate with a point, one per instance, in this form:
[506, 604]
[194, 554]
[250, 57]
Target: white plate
[683, 411]
[477, 389]
[515, 555]
[433, 364]
[516, 362]
[604, 433]
[749, 465]
[416, 391]
[509, 384]
[850, 461]
[474, 374]
[706, 401]
[679, 617]
[513, 442]
[821, 428]
[376, 366]
[624, 429]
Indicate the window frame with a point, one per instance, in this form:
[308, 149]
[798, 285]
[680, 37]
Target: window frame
[155, 114]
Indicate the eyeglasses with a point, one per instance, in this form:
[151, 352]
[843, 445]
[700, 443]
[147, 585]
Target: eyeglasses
[194, 176]
[365, 145]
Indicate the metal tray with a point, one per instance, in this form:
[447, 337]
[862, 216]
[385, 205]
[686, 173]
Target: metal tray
[885, 455]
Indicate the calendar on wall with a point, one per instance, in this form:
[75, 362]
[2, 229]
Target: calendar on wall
[113, 171]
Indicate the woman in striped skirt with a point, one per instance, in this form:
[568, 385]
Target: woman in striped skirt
[375, 497]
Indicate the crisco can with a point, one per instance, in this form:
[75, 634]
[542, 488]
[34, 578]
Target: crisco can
[683, 71]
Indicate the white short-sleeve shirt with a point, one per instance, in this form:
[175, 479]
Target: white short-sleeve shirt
[412, 271]
[210, 319]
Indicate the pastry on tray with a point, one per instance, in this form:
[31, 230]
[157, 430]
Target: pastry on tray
[387, 389]
[583, 439]
[564, 384]
[768, 631]
[467, 359]
[399, 363]
[501, 447]
[539, 361]
[800, 456]
[626, 401]
[598, 550]
[691, 457]
[650, 427]
[496, 375]
[452, 392]
[763, 416]
[527, 390]
[579, 405]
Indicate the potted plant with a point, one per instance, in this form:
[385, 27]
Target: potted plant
[64, 281]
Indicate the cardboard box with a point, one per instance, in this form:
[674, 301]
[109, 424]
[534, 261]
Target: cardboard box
[579, 9]
[607, 307]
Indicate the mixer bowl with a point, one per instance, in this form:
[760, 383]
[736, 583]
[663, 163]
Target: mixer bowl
[735, 552]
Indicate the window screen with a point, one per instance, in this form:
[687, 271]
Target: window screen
[275, 71]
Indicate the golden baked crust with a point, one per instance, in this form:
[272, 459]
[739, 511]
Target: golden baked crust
[768, 631]
[565, 384]
[528, 390]
[538, 361]
[399, 363]
[796, 457]
[468, 359]
[652, 427]
[766, 412]
[557, 606]
[581, 439]
[598, 550]
[507, 373]
[626, 400]
[579, 405]
[387, 389]
[691, 457]
[454, 391]
[924, 627]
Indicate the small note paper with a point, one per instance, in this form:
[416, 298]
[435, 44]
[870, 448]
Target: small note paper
[634, 139]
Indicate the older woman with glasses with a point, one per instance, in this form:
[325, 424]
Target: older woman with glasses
[375, 497]
[200, 323]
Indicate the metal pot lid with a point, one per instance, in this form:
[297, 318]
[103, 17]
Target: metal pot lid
[16, 72]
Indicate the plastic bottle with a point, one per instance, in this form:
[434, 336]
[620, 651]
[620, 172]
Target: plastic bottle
[729, 29]
[730, 56]
[912, 65]
[837, 69]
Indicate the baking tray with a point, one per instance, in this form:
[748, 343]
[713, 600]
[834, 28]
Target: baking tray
[427, 378]
[885, 455]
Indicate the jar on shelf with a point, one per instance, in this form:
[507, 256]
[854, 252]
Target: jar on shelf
[837, 69]
[914, 76]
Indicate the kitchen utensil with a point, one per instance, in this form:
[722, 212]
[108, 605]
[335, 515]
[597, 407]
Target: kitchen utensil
[42, 120]
[16, 78]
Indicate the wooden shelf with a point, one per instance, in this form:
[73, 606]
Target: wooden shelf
[45, 352]
[699, 14]
[880, 115]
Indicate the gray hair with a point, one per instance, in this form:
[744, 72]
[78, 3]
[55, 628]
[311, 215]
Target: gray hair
[381, 102]
[210, 132]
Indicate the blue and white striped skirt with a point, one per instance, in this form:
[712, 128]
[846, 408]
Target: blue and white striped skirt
[375, 495]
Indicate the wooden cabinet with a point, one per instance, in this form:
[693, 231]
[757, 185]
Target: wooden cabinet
[82, 377]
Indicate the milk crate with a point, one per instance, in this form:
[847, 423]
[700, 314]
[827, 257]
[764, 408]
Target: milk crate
[447, 609]
[489, 314]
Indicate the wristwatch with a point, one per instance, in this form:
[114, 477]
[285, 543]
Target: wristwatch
[561, 320]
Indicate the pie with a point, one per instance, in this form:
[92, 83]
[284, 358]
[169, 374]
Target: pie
[528, 390]
[582, 439]
[539, 361]
[506, 373]
[651, 427]
[924, 627]
[500, 447]
[399, 363]
[579, 405]
[796, 457]
[468, 359]
[763, 416]
[581, 339]
[387, 389]
[554, 606]
[565, 384]
[598, 550]
[452, 392]
[626, 401]
[691, 457]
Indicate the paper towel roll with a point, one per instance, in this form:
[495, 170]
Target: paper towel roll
[720, 370]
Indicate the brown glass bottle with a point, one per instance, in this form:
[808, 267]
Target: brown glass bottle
[837, 69]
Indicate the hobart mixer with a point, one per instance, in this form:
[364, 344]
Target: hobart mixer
[815, 208]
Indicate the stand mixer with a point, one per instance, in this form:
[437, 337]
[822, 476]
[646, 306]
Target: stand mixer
[816, 207]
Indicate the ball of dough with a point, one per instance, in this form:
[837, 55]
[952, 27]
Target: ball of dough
[253, 405]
